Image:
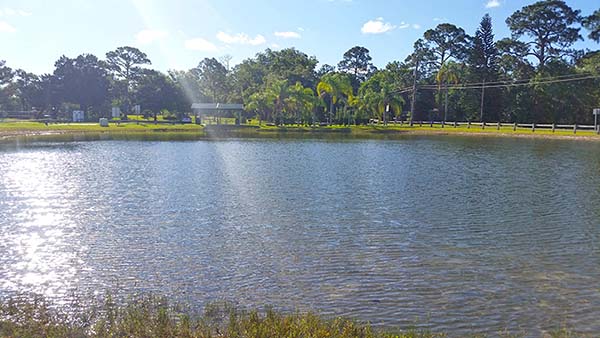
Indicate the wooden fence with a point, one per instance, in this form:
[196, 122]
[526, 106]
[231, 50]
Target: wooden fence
[497, 125]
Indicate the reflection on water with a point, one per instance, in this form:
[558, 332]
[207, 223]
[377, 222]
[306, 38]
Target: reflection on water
[456, 234]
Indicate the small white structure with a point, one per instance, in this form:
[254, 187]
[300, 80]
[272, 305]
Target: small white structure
[116, 112]
[137, 110]
[103, 122]
[78, 116]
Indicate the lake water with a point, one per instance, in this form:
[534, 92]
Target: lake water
[446, 233]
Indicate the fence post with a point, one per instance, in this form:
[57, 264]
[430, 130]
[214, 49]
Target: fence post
[421, 123]
[430, 123]
[469, 125]
[575, 128]
[533, 127]
[515, 127]
[455, 125]
[443, 123]
[553, 127]
[482, 125]
[598, 130]
[498, 126]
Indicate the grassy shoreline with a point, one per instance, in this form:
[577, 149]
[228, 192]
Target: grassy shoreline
[152, 316]
[34, 130]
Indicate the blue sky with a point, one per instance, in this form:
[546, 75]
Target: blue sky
[177, 34]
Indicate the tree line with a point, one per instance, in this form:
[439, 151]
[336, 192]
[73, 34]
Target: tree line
[536, 75]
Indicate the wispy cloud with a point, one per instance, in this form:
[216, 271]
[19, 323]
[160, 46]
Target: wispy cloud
[492, 4]
[439, 19]
[416, 26]
[148, 36]
[5, 27]
[241, 39]
[376, 26]
[200, 44]
[288, 35]
[13, 12]
[404, 25]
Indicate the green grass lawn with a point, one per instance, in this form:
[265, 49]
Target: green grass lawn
[16, 128]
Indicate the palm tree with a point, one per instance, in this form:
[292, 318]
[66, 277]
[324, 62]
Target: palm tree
[263, 103]
[278, 91]
[448, 73]
[301, 102]
[378, 96]
[337, 86]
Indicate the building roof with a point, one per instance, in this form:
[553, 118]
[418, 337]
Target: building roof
[218, 106]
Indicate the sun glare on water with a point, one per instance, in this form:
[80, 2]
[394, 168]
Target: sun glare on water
[41, 255]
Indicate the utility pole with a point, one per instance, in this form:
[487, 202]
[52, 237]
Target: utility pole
[481, 106]
[445, 106]
[414, 93]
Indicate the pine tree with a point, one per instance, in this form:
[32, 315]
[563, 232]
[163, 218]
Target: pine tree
[484, 61]
[484, 57]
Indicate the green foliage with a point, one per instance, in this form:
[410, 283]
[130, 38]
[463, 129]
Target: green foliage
[212, 80]
[335, 88]
[379, 98]
[549, 24]
[445, 42]
[592, 24]
[357, 63]
[150, 316]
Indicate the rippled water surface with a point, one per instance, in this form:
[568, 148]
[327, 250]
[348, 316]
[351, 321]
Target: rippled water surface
[453, 234]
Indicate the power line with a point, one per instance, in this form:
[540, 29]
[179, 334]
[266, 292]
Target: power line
[508, 84]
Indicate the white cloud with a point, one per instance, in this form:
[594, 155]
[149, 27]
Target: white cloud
[13, 12]
[5, 27]
[148, 36]
[241, 38]
[416, 26]
[492, 4]
[200, 44]
[288, 35]
[404, 25]
[376, 26]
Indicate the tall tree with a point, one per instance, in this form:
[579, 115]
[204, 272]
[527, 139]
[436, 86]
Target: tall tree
[325, 69]
[157, 91]
[278, 90]
[449, 73]
[484, 58]
[6, 75]
[549, 25]
[28, 88]
[446, 42]
[125, 63]
[290, 64]
[592, 24]
[82, 80]
[357, 62]
[212, 79]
